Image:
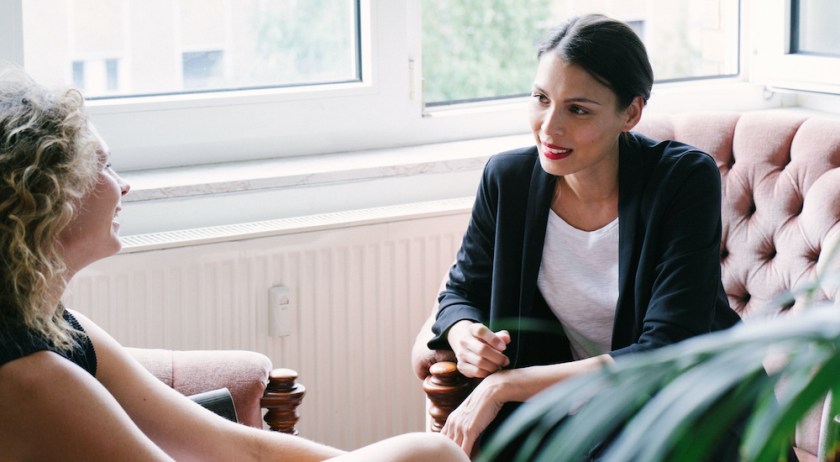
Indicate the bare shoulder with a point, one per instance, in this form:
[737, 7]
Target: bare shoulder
[30, 398]
[28, 381]
[46, 398]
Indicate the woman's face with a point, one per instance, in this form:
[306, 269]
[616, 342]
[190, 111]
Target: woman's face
[94, 231]
[576, 120]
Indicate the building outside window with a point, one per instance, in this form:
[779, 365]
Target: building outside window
[203, 69]
[222, 44]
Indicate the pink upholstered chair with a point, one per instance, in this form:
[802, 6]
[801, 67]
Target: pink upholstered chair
[246, 374]
[781, 207]
[781, 214]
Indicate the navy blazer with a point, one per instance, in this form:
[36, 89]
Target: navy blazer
[669, 253]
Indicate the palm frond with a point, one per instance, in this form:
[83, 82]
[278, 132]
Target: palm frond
[679, 402]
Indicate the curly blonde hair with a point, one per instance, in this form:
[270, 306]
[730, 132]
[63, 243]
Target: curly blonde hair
[48, 161]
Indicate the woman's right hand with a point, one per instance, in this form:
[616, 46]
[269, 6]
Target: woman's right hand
[478, 349]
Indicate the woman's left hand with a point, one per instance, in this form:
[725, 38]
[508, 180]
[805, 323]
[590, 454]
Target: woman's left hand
[465, 424]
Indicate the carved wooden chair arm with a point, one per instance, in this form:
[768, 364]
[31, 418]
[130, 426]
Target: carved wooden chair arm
[282, 397]
[446, 389]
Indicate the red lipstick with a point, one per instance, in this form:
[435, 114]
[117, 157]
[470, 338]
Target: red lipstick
[553, 152]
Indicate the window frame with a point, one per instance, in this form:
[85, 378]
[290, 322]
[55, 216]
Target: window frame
[384, 110]
[776, 67]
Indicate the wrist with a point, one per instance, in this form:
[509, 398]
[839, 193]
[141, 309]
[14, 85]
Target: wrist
[457, 330]
[503, 386]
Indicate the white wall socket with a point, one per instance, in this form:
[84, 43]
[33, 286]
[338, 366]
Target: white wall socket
[280, 312]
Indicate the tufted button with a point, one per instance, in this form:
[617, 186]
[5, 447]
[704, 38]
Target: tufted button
[751, 209]
[798, 210]
[787, 305]
[724, 252]
[771, 254]
[812, 256]
[745, 298]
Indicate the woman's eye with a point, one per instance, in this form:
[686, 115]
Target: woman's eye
[540, 97]
[107, 166]
[578, 110]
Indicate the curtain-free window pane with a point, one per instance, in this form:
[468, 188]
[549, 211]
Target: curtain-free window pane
[174, 46]
[485, 49]
[203, 69]
[814, 28]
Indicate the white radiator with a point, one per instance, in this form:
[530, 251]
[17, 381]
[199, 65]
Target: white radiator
[360, 286]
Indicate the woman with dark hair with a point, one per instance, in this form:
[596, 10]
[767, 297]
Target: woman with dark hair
[606, 241]
[69, 391]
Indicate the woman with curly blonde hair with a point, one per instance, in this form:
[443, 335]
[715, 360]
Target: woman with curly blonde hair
[40, 186]
[68, 390]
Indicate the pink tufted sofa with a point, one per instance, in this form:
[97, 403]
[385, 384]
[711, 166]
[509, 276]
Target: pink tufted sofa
[243, 373]
[781, 206]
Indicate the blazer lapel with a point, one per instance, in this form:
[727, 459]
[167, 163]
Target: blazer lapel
[630, 173]
[536, 218]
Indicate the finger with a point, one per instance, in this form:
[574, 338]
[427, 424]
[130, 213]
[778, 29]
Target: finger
[487, 336]
[472, 350]
[504, 336]
[494, 357]
[450, 430]
[484, 365]
[467, 444]
[471, 371]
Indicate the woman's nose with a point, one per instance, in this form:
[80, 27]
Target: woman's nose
[552, 123]
[124, 186]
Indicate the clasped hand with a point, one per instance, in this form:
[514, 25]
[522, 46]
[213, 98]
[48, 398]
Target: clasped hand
[480, 354]
[479, 350]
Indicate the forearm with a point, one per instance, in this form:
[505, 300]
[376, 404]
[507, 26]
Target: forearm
[519, 385]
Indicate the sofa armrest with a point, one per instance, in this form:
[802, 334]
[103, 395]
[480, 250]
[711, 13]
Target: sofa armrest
[244, 373]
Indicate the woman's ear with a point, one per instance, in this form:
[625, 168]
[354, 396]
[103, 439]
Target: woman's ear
[633, 113]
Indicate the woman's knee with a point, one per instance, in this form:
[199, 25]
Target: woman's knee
[435, 446]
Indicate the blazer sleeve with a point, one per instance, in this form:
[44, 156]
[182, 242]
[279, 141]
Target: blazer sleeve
[467, 293]
[678, 274]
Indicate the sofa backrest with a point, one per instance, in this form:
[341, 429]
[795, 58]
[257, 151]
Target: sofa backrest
[780, 176]
[781, 197]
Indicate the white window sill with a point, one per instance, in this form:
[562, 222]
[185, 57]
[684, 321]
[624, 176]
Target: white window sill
[219, 194]
[171, 199]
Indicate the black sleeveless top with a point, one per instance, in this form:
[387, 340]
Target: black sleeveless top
[19, 342]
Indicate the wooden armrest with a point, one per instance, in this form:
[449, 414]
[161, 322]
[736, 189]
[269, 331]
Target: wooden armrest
[446, 389]
[281, 398]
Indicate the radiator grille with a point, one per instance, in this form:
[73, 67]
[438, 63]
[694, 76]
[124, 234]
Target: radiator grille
[361, 287]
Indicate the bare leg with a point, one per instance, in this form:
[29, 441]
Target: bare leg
[410, 447]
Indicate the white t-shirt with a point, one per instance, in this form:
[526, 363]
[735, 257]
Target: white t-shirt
[579, 280]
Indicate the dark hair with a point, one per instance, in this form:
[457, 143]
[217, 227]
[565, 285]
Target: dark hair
[607, 49]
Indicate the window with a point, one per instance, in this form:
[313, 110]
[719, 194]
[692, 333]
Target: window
[814, 27]
[474, 53]
[224, 44]
[112, 74]
[347, 75]
[203, 69]
[96, 76]
[79, 74]
[797, 46]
